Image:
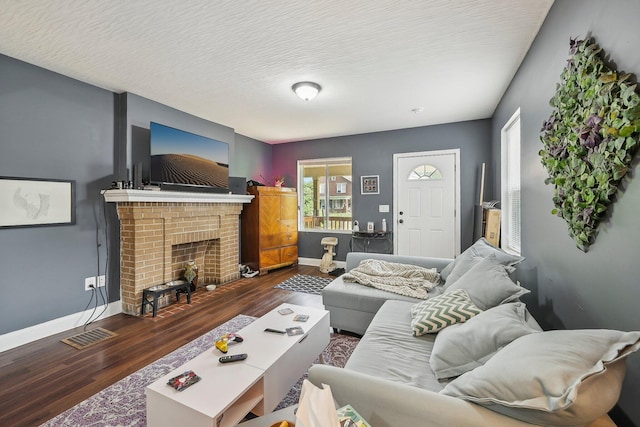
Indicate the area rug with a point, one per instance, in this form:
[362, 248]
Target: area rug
[124, 403]
[303, 283]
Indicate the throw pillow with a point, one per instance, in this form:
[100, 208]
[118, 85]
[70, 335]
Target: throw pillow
[463, 347]
[439, 312]
[480, 249]
[567, 377]
[488, 284]
[465, 264]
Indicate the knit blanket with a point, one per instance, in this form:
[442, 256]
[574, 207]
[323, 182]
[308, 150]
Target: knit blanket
[402, 279]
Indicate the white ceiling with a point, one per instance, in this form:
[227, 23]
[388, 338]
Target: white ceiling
[233, 62]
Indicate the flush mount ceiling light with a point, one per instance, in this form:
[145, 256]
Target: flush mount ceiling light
[306, 90]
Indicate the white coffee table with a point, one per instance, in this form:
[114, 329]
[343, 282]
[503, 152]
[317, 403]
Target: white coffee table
[228, 392]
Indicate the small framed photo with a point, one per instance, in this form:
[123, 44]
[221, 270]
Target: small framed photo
[369, 184]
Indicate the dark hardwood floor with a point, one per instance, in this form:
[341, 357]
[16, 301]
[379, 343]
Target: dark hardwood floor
[39, 380]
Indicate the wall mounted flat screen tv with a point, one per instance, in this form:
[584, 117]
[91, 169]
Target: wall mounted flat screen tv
[180, 157]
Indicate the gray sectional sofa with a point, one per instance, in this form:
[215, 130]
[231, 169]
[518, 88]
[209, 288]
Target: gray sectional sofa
[353, 306]
[391, 378]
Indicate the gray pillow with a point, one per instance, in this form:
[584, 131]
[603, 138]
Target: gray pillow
[488, 284]
[568, 377]
[465, 264]
[465, 346]
[480, 249]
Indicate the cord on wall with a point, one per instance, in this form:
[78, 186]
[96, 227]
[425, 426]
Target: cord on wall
[97, 288]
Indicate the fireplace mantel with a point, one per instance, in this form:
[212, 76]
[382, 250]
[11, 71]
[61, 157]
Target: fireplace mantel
[160, 196]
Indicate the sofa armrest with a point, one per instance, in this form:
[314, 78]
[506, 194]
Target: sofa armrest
[354, 258]
[385, 403]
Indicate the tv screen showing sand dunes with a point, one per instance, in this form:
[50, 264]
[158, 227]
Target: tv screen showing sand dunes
[182, 157]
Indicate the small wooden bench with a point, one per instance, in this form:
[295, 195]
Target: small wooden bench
[179, 286]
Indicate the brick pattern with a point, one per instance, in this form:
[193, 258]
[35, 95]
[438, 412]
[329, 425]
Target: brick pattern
[157, 238]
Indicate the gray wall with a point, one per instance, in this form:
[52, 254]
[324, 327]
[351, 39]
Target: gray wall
[598, 289]
[53, 127]
[372, 154]
[253, 158]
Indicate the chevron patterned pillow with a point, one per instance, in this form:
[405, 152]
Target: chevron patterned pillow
[439, 312]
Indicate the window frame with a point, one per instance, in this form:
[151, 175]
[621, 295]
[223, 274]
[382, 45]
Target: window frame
[326, 162]
[510, 181]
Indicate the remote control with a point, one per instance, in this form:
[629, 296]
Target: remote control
[275, 331]
[233, 358]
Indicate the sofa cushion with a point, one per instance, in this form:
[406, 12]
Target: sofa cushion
[389, 351]
[441, 311]
[488, 284]
[467, 259]
[565, 377]
[465, 346]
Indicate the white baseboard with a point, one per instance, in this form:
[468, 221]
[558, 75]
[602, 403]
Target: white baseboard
[314, 262]
[32, 333]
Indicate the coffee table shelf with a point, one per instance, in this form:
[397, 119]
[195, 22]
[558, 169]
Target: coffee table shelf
[246, 403]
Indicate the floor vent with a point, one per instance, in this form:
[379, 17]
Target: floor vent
[89, 338]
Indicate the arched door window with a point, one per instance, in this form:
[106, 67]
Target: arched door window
[425, 172]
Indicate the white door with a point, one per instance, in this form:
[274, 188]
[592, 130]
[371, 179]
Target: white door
[426, 203]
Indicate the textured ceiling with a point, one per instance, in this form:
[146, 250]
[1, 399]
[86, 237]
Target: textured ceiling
[233, 62]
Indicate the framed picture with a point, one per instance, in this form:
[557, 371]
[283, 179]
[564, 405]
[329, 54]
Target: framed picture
[32, 202]
[369, 184]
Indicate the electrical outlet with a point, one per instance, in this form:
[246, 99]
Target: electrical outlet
[102, 281]
[89, 282]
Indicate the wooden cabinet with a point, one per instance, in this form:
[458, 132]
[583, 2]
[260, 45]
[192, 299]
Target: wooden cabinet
[270, 228]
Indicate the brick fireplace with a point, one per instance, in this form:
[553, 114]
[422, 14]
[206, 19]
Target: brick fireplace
[161, 230]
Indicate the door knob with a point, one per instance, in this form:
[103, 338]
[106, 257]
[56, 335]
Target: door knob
[401, 221]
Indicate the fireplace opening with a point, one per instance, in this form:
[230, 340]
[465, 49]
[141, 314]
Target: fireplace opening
[182, 254]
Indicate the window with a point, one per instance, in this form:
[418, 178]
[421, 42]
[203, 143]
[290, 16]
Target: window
[425, 172]
[324, 189]
[510, 184]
